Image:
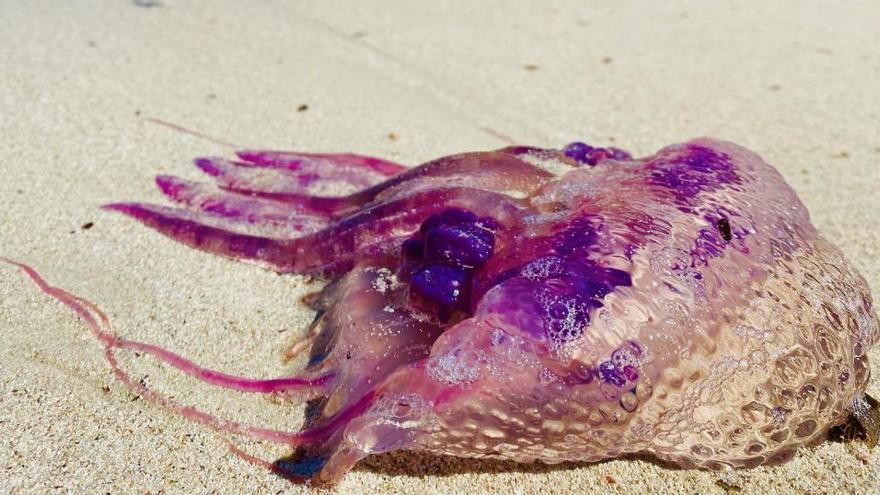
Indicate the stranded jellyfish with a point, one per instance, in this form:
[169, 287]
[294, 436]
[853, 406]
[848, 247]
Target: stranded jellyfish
[571, 304]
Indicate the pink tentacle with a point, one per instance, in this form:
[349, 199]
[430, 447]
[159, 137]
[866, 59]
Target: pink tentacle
[98, 323]
[368, 232]
[308, 205]
[301, 344]
[214, 237]
[307, 180]
[320, 170]
[493, 171]
[87, 310]
[263, 386]
[293, 160]
[271, 214]
[191, 132]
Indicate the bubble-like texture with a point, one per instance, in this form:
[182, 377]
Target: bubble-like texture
[680, 305]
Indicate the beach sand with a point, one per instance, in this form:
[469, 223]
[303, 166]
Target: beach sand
[798, 82]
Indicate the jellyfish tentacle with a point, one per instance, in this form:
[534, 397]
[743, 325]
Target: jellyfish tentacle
[213, 377]
[325, 207]
[293, 160]
[239, 176]
[99, 325]
[492, 171]
[272, 214]
[207, 233]
[317, 169]
[370, 232]
[297, 347]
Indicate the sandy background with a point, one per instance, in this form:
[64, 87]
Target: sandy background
[797, 82]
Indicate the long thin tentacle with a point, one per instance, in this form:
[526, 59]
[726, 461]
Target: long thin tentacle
[265, 386]
[99, 324]
[102, 333]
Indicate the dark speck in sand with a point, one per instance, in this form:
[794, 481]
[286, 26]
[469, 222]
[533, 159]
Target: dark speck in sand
[606, 60]
[88, 225]
[530, 67]
[146, 4]
[727, 486]
[302, 108]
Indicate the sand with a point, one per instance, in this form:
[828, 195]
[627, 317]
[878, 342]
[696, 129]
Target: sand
[797, 82]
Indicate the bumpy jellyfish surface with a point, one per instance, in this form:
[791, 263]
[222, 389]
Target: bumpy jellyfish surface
[541, 304]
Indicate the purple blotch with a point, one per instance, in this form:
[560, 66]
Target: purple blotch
[452, 216]
[585, 154]
[462, 245]
[440, 259]
[609, 373]
[619, 154]
[438, 283]
[579, 236]
[577, 150]
[631, 373]
[698, 169]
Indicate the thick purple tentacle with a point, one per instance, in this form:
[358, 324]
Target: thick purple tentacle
[375, 230]
[208, 234]
[371, 231]
[273, 214]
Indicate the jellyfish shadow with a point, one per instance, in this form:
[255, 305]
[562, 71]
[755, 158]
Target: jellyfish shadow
[421, 464]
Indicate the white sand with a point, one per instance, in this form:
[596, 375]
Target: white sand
[797, 82]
